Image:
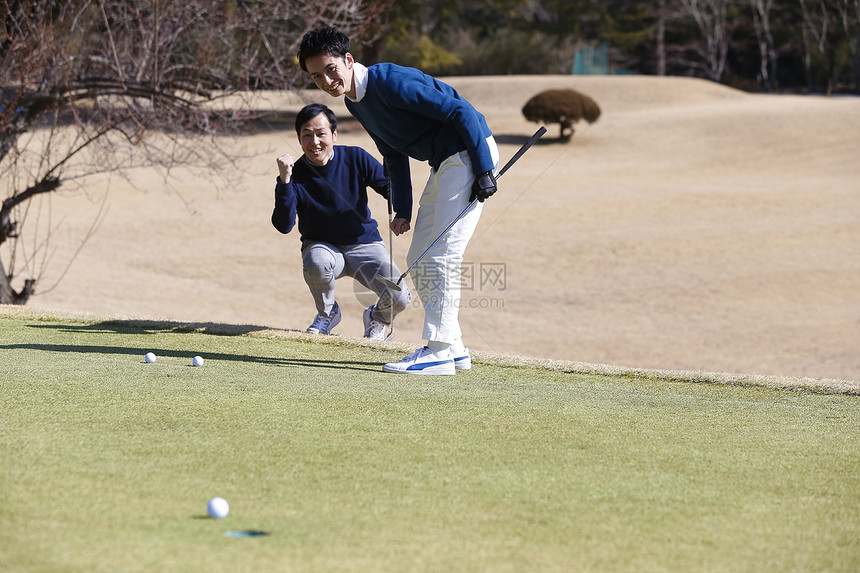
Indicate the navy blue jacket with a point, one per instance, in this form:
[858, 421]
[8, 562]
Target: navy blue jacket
[331, 201]
[411, 114]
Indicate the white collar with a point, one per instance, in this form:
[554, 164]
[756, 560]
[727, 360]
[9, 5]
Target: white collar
[359, 78]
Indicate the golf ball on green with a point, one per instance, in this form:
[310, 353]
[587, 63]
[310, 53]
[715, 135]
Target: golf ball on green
[218, 508]
[149, 357]
[197, 361]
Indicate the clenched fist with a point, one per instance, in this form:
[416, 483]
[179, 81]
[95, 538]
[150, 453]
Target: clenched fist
[285, 167]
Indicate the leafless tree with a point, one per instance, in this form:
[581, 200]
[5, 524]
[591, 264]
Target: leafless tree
[711, 20]
[761, 11]
[828, 27]
[90, 86]
[660, 37]
[848, 12]
[816, 29]
[855, 60]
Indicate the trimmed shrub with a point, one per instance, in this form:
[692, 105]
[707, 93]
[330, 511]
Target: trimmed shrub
[564, 107]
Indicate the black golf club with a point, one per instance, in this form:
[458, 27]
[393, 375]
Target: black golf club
[390, 264]
[396, 285]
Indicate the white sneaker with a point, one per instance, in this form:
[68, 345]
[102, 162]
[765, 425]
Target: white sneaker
[323, 324]
[424, 361]
[463, 361]
[373, 328]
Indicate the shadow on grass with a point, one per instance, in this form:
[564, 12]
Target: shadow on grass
[155, 326]
[187, 355]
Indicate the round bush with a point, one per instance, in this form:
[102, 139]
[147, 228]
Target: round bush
[564, 107]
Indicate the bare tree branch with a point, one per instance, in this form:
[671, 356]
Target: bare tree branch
[710, 17]
[761, 11]
[112, 73]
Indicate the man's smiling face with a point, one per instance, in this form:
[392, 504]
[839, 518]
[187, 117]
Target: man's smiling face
[332, 74]
[317, 139]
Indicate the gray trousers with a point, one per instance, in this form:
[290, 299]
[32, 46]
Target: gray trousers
[323, 263]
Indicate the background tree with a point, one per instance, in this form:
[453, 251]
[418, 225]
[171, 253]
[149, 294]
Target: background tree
[761, 15]
[753, 44]
[564, 107]
[711, 20]
[660, 37]
[90, 86]
[635, 31]
[831, 35]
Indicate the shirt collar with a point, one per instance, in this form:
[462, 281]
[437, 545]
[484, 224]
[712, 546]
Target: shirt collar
[359, 77]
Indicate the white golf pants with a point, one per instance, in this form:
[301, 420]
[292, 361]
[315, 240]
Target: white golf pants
[437, 277]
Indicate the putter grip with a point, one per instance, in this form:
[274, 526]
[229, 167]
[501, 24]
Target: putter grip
[538, 134]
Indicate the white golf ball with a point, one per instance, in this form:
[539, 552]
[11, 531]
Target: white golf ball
[197, 361]
[218, 508]
[150, 357]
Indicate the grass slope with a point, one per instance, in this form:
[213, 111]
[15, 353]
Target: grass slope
[107, 462]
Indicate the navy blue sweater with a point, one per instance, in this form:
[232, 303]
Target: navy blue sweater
[410, 114]
[331, 201]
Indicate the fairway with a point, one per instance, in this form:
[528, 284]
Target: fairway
[108, 462]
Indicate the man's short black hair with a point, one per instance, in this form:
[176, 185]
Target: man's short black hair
[323, 40]
[310, 111]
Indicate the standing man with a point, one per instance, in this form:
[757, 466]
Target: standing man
[327, 188]
[410, 114]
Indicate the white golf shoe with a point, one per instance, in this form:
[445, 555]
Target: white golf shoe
[463, 360]
[424, 361]
[323, 324]
[462, 356]
[373, 328]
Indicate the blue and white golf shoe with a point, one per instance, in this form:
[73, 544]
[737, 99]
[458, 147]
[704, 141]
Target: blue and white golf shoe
[424, 361]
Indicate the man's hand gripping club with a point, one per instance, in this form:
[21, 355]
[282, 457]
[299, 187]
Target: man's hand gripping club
[483, 187]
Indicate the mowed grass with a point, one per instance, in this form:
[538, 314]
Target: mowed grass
[108, 462]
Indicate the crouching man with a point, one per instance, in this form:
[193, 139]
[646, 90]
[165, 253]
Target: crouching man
[326, 188]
